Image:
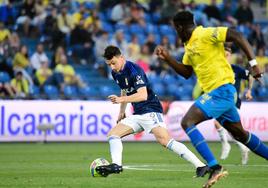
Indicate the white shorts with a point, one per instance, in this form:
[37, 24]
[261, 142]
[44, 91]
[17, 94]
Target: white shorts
[145, 122]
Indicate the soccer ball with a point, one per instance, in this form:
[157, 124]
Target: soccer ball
[94, 164]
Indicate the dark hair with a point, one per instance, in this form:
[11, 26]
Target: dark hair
[110, 52]
[183, 18]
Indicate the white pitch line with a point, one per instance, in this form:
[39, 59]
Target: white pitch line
[153, 169]
[188, 165]
[166, 167]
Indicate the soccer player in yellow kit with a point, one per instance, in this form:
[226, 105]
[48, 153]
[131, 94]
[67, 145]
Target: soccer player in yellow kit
[205, 55]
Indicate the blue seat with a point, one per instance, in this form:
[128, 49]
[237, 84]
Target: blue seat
[102, 16]
[51, 92]
[166, 30]
[172, 89]
[89, 92]
[156, 17]
[168, 79]
[107, 27]
[157, 38]
[122, 27]
[107, 90]
[136, 29]
[151, 29]
[4, 77]
[172, 39]
[70, 92]
[34, 92]
[154, 79]
[141, 38]
[159, 89]
[148, 18]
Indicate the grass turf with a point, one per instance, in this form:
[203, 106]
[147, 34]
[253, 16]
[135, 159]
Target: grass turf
[67, 165]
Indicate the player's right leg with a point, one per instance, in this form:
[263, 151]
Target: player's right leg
[116, 149]
[162, 136]
[225, 146]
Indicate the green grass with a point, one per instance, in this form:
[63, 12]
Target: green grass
[67, 165]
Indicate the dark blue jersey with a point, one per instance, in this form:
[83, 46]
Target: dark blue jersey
[240, 74]
[130, 79]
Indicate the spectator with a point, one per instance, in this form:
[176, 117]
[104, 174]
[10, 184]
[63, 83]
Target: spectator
[227, 12]
[4, 33]
[171, 7]
[82, 44]
[43, 73]
[20, 84]
[119, 41]
[51, 31]
[134, 49]
[60, 51]
[150, 42]
[144, 58]
[261, 58]
[120, 12]
[6, 90]
[83, 14]
[22, 63]
[38, 57]
[244, 14]
[68, 72]
[14, 42]
[101, 42]
[64, 20]
[212, 11]
[27, 13]
[256, 38]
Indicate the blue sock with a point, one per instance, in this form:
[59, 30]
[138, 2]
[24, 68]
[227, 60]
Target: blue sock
[200, 145]
[257, 146]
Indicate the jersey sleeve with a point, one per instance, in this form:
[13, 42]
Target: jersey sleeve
[185, 59]
[217, 34]
[139, 79]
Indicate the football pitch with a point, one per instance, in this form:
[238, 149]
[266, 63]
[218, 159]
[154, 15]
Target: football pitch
[147, 165]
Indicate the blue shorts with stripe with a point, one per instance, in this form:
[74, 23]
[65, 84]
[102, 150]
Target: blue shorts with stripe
[220, 104]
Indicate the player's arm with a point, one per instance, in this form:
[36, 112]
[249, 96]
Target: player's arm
[123, 106]
[140, 96]
[236, 37]
[183, 70]
[250, 85]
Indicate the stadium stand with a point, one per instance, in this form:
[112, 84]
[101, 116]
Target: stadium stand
[30, 20]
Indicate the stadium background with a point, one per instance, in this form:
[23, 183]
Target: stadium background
[57, 47]
[75, 107]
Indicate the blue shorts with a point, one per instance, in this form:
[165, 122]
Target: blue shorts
[220, 104]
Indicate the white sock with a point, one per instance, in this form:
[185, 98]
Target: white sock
[184, 152]
[116, 149]
[241, 146]
[223, 135]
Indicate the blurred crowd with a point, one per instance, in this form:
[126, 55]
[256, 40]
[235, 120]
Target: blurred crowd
[43, 42]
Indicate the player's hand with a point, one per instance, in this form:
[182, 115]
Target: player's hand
[162, 53]
[257, 74]
[248, 95]
[115, 99]
[120, 117]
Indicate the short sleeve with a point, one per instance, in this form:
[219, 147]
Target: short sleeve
[185, 59]
[139, 79]
[218, 34]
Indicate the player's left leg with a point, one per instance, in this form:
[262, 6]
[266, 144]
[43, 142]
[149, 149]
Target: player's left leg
[231, 121]
[162, 136]
[225, 146]
[247, 138]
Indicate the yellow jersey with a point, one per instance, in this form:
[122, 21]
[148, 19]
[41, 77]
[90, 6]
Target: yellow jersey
[205, 53]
